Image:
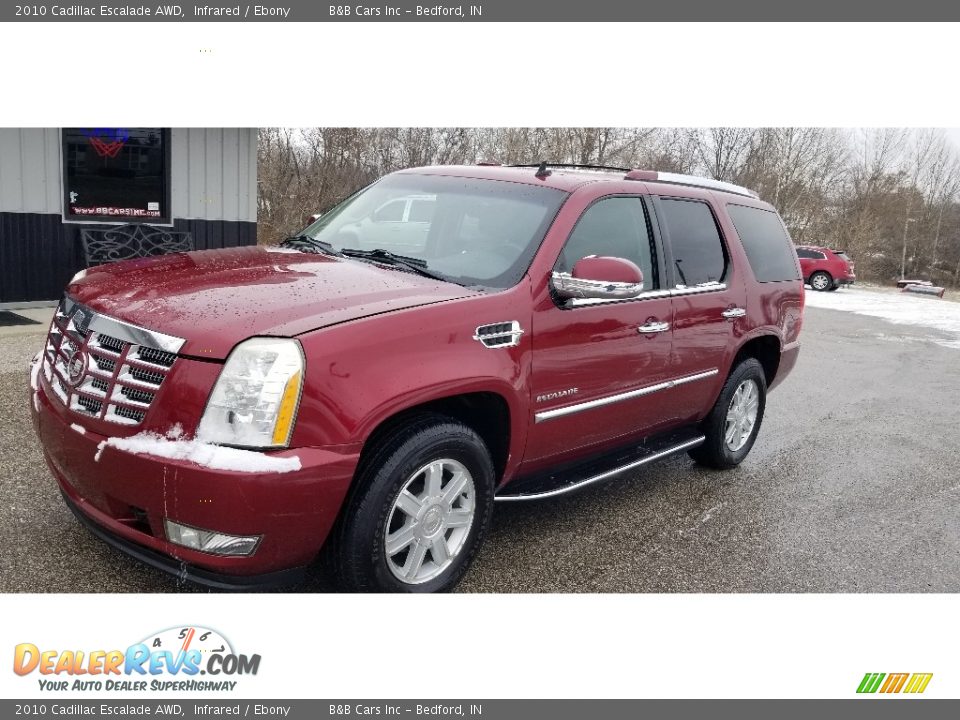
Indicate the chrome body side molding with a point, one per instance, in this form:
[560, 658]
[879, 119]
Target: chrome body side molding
[620, 397]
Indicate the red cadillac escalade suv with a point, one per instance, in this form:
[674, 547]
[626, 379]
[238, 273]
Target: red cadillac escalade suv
[446, 338]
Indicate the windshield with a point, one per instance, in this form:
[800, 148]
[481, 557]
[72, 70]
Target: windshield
[471, 232]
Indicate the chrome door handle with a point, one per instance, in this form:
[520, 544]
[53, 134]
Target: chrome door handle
[734, 312]
[653, 327]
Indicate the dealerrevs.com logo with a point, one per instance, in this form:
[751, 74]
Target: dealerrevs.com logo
[176, 659]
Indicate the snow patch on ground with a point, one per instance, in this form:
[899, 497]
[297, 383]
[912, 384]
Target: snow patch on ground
[214, 457]
[895, 307]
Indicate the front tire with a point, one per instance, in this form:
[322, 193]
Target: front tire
[821, 281]
[422, 509]
[732, 426]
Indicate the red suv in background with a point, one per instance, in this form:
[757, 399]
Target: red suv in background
[825, 269]
[373, 386]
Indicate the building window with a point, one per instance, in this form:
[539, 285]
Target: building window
[116, 175]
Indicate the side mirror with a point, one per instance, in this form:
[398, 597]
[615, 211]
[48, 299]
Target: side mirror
[599, 278]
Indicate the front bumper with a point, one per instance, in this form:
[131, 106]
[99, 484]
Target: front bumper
[169, 564]
[124, 499]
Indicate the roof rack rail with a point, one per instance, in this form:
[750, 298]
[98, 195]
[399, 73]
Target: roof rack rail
[575, 166]
[646, 176]
[690, 181]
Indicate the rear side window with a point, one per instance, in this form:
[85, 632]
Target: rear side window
[766, 243]
[698, 254]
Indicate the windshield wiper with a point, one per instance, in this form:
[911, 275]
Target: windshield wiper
[384, 256]
[305, 243]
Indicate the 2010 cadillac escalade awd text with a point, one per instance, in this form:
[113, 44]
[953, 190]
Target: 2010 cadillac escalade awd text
[446, 338]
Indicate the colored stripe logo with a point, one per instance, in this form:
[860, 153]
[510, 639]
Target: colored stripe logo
[913, 683]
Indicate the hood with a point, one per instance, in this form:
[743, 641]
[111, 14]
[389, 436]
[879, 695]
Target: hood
[216, 298]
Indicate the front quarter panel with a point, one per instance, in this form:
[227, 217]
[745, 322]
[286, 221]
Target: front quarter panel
[361, 373]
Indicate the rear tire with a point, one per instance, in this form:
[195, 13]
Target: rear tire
[821, 281]
[835, 286]
[732, 426]
[421, 511]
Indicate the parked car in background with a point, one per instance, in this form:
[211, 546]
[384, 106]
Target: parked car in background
[399, 225]
[825, 269]
[225, 415]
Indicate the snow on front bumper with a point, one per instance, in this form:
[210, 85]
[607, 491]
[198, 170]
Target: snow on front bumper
[129, 486]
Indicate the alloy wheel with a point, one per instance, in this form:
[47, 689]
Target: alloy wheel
[430, 520]
[742, 414]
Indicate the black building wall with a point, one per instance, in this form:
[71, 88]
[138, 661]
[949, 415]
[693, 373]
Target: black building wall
[39, 252]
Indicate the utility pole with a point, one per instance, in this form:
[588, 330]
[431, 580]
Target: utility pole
[936, 242]
[903, 256]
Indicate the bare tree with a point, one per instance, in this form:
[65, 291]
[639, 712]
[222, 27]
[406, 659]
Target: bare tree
[889, 196]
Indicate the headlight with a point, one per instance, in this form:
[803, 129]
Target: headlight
[254, 403]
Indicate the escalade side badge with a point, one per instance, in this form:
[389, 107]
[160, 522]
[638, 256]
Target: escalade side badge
[499, 335]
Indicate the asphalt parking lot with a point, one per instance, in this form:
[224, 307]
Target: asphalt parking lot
[852, 487]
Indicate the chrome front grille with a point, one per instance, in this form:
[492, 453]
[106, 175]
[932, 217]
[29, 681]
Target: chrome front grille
[104, 368]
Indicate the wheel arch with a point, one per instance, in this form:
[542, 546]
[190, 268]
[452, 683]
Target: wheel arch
[766, 350]
[486, 412]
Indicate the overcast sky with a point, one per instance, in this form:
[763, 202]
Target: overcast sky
[954, 134]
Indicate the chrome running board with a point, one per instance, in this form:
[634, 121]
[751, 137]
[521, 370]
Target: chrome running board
[575, 477]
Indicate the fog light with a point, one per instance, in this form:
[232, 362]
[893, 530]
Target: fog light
[210, 541]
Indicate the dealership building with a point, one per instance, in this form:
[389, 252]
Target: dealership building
[75, 197]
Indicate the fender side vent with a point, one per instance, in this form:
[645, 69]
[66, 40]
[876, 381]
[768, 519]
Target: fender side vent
[499, 335]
